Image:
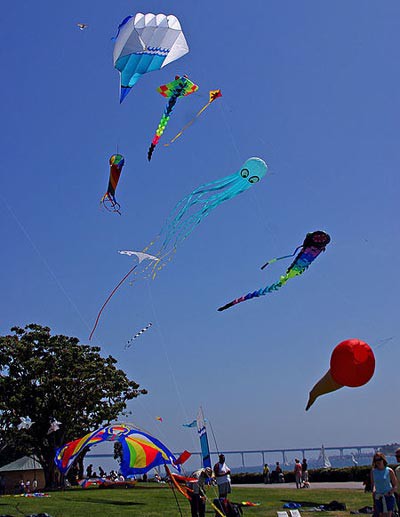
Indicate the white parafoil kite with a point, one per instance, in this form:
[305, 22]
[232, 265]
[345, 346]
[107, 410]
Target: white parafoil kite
[144, 43]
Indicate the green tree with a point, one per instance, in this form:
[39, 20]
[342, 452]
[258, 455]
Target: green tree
[44, 377]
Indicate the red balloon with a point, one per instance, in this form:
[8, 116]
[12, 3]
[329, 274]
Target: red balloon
[352, 363]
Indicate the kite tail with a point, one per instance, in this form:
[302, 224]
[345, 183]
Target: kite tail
[214, 94]
[115, 206]
[260, 292]
[162, 125]
[187, 125]
[280, 258]
[248, 296]
[109, 298]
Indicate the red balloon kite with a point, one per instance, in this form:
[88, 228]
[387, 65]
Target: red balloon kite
[352, 364]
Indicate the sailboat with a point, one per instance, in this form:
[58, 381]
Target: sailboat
[324, 459]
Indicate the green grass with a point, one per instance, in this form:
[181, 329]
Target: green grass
[155, 501]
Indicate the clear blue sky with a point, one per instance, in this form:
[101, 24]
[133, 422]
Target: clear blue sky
[312, 88]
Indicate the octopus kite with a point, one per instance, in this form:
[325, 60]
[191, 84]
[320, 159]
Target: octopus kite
[180, 87]
[314, 244]
[190, 211]
[117, 161]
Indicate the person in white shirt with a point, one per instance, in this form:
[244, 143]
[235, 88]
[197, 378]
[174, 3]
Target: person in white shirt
[222, 475]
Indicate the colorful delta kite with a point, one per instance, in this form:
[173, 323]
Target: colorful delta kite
[180, 87]
[144, 43]
[140, 451]
[137, 335]
[214, 94]
[190, 211]
[352, 364]
[314, 244]
[117, 161]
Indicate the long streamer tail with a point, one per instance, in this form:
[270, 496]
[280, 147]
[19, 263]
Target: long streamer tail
[186, 126]
[109, 298]
[248, 296]
[214, 94]
[162, 125]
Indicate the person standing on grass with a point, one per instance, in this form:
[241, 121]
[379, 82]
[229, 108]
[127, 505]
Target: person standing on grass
[304, 471]
[298, 471]
[222, 475]
[384, 484]
[198, 496]
[266, 474]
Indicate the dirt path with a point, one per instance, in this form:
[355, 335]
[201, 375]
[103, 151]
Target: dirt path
[348, 485]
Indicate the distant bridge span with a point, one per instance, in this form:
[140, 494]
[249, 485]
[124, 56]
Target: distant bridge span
[263, 452]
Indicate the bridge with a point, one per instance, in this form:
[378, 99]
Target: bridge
[262, 453]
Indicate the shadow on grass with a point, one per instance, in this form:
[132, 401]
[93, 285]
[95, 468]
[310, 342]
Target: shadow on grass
[106, 501]
[303, 503]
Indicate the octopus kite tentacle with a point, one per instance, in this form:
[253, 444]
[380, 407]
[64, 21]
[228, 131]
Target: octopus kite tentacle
[314, 244]
[189, 212]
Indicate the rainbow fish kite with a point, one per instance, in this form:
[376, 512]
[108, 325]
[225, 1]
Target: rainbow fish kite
[214, 94]
[117, 161]
[140, 451]
[180, 87]
[314, 244]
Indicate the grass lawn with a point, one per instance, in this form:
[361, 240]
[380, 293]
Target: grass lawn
[150, 500]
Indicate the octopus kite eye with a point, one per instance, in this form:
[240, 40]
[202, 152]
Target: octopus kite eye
[254, 179]
[244, 173]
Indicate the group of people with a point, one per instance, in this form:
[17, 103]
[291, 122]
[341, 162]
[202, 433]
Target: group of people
[221, 473]
[112, 476]
[301, 473]
[277, 476]
[385, 484]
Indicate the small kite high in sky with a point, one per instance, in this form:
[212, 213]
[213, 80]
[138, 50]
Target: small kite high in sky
[117, 161]
[180, 87]
[314, 244]
[352, 364]
[82, 26]
[214, 94]
[137, 335]
[144, 43]
[191, 210]
[139, 254]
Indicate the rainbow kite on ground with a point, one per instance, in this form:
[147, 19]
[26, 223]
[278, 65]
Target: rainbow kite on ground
[140, 451]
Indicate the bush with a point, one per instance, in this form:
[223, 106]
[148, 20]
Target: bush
[315, 475]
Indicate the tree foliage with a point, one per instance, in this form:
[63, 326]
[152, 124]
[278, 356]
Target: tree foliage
[44, 377]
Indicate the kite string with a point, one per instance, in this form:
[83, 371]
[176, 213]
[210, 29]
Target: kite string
[109, 298]
[229, 129]
[45, 263]
[168, 359]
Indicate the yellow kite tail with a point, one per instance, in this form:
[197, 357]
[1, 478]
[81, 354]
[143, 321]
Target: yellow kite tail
[214, 94]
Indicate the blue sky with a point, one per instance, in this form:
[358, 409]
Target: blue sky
[312, 88]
